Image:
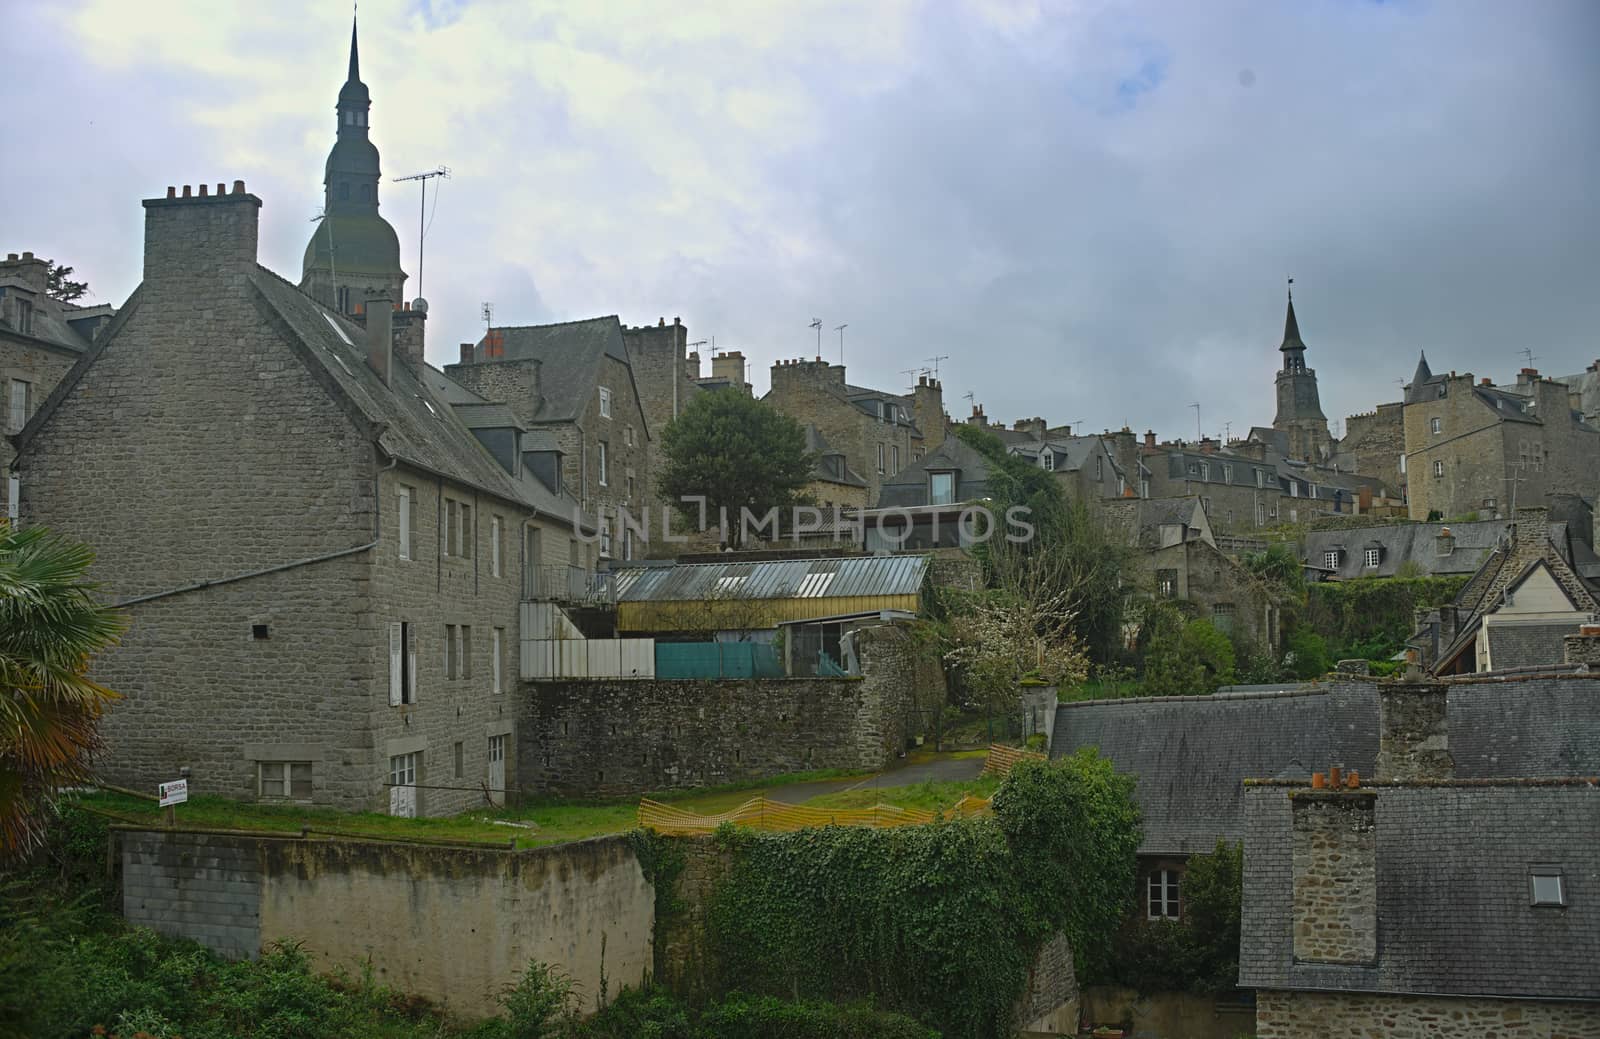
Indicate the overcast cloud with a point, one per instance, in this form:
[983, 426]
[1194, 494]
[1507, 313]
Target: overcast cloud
[1089, 207]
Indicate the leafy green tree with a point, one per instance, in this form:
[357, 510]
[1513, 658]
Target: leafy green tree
[1198, 953]
[1307, 654]
[1209, 648]
[1277, 565]
[50, 628]
[1165, 669]
[58, 284]
[738, 453]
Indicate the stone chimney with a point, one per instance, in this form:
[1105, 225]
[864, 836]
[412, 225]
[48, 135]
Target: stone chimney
[1527, 377]
[978, 417]
[729, 365]
[34, 272]
[1584, 647]
[380, 332]
[410, 339]
[196, 235]
[1208, 446]
[927, 406]
[1150, 439]
[1335, 875]
[1413, 731]
[1444, 542]
[1035, 427]
[801, 372]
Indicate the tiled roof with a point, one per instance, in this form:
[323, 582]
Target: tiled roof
[1513, 645]
[1403, 543]
[1453, 896]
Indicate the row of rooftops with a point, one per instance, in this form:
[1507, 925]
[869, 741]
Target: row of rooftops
[27, 309]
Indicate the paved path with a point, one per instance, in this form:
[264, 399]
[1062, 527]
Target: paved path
[938, 768]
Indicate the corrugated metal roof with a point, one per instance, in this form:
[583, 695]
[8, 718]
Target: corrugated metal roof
[774, 579]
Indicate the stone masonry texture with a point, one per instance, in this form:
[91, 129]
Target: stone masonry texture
[1351, 1015]
[1335, 878]
[1413, 733]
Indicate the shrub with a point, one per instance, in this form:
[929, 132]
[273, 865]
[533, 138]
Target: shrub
[1199, 953]
[539, 1005]
[1306, 654]
[763, 1017]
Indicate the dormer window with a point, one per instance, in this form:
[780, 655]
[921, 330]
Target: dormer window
[1546, 887]
[1330, 558]
[1370, 558]
[941, 488]
[1049, 459]
[1261, 477]
[1227, 473]
[605, 402]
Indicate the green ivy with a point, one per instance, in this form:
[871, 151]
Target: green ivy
[1372, 617]
[662, 861]
[938, 922]
[1199, 953]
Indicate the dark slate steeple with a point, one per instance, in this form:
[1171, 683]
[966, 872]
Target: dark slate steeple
[1421, 382]
[353, 249]
[1299, 407]
[1294, 350]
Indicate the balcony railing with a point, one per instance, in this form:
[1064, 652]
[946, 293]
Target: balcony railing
[570, 585]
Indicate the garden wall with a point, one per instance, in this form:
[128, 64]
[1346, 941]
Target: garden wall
[456, 925]
[616, 737]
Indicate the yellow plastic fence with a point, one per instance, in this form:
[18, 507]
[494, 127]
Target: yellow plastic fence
[1002, 760]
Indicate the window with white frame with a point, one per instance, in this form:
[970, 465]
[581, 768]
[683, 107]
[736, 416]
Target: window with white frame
[404, 510]
[941, 488]
[17, 417]
[457, 537]
[605, 402]
[1546, 886]
[605, 475]
[497, 642]
[880, 458]
[894, 457]
[1161, 901]
[1048, 457]
[1370, 558]
[284, 780]
[494, 546]
[605, 536]
[1167, 583]
[1330, 559]
[1122, 485]
[25, 317]
[1261, 513]
[1227, 473]
[402, 663]
[1436, 425]
[1261, 477]
[1438, 468]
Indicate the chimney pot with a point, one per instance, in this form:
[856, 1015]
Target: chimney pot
[172, 192]
[677, 321]
[1353, 780]
[661, 322]
[203, 191]
[222, 189]
[186, 191]
[380, 334]
[1335, 776]
[1318, 781]
[11, 256]
[238, 187]
[1487, 381]
[466, 353]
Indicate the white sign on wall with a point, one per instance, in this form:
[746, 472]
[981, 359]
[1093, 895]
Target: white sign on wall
[173, 793]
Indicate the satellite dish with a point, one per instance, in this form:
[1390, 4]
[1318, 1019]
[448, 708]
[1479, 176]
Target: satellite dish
[420, 305]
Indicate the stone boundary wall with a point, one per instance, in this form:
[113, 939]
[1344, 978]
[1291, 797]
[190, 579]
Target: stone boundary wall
[618, 737]
[1316, 1015]
[456, 925]
[1166, 1013]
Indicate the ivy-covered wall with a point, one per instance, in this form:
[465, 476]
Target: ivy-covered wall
[1373, 616]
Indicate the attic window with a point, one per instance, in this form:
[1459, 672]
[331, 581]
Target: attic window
[605, 402]
[1049, 458]
[1330, 559]
[1546, 887]
[1371, 557]
[337, 330]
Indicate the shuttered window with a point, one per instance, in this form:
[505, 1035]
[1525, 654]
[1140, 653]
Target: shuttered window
[405, 522]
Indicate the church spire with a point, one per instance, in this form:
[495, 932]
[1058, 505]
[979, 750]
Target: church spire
[355, 55]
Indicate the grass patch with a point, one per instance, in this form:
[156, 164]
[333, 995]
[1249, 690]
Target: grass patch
[557, 821]
[931, 796]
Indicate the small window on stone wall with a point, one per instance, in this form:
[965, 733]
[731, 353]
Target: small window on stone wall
[1162, 895]
[285, 780]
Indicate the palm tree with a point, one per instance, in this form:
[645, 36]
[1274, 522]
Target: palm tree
[50, 626]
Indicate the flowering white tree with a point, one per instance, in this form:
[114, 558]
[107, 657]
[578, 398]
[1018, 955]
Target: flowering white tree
[1005, 637]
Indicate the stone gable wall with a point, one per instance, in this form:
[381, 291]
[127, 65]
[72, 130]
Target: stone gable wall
[1316, 1015]
[41, 368]
[802, 391]
[1377, 439]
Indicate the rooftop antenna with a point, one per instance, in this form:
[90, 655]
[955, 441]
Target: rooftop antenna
[935, 362]
[1527, 352]
[1227, 431]
[422, 222]
[488, 316]
[816, 323]
[1196, 406]
[840, 329]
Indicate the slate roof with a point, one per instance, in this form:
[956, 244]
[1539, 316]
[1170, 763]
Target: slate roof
[1452, 890]
[1192, 754]
[1515, 645]
[51, 320]
[1403, 543]
[774, 579]
[866, 400]
[1139, 520]
[909, 487]
[570, 355]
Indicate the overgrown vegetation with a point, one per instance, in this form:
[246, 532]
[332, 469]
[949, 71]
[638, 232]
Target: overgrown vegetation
[1182, 656]
[1199, 952]
[939, 922]
[1372, 617]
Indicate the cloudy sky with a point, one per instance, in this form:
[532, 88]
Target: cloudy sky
[1089, 208]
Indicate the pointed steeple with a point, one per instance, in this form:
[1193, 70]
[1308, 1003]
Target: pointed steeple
[1416, 391]
[1291, 327]
[355, 54]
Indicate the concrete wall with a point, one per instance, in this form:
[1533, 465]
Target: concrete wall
[455, 925]
[1318, 1015]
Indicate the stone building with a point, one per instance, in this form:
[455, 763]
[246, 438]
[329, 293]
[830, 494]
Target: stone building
[880, 433]
[1397, 549]
[320, 562]
[665, 373]
[572, 385]
[1299, 414]
[40, 339]
[1085, 466]
[833, 482]
[1584, 388]
[1429, 905]
[1472, 446]
[1374, 443]
[353, 251]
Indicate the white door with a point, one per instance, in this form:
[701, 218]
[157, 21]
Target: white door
[403, 785]
[497, 769]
